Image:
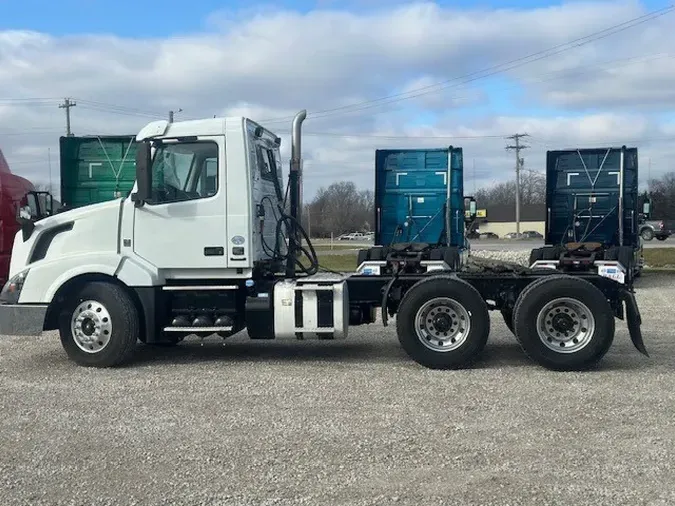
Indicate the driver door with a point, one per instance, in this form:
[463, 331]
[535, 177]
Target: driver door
[183, 226]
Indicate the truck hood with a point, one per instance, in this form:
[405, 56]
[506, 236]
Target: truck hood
[84, 229]
[91, 210]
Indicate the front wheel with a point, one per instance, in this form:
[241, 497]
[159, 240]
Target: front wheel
[443, 323]
[101, 325]
[662, 237]
[564, 323]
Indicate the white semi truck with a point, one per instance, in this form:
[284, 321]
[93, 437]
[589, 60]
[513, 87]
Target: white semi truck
[206, 243]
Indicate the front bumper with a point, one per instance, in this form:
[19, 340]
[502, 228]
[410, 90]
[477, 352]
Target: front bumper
[22, 319]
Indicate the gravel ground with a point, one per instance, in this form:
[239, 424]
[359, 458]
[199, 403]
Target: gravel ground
[353, 422]
[517, 256]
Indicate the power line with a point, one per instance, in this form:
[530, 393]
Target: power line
[117, 106]
[378, 136]
[489, 71]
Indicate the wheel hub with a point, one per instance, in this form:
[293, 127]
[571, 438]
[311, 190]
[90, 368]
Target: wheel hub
[562, 322]
[88, 327]
[91, 326]
[442, 324]
[565, 325]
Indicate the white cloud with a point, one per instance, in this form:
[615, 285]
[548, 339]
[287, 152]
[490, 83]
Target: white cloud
[269, 63]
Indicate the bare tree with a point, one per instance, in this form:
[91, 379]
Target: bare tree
[662, 192]
[340, 208]
[532, 191]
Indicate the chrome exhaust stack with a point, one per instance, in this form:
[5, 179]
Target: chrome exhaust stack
[295, 190]
[295, 174]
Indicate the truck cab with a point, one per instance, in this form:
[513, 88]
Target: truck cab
[592, 213]
[201, 220]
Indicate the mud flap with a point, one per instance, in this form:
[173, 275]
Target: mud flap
[634, 320]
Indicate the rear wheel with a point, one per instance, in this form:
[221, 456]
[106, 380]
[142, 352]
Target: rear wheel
[647, 234]
[443, 323]
[564, 323]
[662, 237]
[101, 325]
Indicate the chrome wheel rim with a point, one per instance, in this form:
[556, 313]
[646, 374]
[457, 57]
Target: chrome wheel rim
[442, 324]
[565, 325]
[91, 326]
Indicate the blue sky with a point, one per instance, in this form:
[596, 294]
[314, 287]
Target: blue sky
[139, 19]
[144, 18]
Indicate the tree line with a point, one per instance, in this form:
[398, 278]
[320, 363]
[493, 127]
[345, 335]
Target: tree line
[339, 209]
[532, 191]
[662, 193]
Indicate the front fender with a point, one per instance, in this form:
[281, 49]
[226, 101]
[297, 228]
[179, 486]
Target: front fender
[45, 278]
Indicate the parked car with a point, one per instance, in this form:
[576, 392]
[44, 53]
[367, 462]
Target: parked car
[488, 235]
[511, 235]
[659, 229]
[354, 236]
[532, 234]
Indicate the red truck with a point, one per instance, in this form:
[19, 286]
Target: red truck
[13, 189]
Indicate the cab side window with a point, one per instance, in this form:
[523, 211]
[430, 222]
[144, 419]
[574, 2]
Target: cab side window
[184, 171]
[208, 178]
[267, 165]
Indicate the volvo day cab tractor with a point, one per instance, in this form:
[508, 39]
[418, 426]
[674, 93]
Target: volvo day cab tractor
[209, 242]
[419, 209]
[592, 213]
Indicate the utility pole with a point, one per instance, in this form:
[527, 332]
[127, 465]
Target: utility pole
[474, 177]
[49, 163]
[67, 104]
[519, 163]
[309, 222]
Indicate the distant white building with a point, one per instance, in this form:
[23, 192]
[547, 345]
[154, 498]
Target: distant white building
[501, 219]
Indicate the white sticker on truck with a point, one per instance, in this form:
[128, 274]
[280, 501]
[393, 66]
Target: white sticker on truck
[612, 272]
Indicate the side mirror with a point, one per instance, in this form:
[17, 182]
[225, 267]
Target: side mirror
[27, 214]
[143, 173]
[45, 203]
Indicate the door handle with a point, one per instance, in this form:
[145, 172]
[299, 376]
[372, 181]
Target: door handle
[214, 251]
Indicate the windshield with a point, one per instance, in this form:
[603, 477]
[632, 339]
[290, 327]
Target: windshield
[184, 171]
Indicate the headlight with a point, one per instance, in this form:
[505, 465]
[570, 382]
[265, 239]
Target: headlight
[12, 289]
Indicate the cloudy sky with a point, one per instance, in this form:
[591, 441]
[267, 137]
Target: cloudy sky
[371, 73]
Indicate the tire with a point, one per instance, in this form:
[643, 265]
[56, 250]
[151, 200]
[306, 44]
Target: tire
[456, 299]
[507, 314]
[109, 306]
[662, 237]
[585, 303]
[647, 234]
